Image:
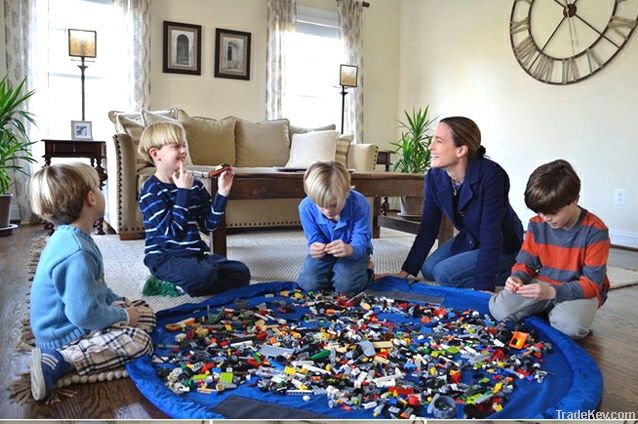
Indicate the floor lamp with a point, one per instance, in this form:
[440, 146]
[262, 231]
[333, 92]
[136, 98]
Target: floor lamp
[347, 78]
[82, 44]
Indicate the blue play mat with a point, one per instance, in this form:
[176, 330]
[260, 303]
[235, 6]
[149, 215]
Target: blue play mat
[573, 383]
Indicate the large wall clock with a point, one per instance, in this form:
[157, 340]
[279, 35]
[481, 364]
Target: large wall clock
[566, 41]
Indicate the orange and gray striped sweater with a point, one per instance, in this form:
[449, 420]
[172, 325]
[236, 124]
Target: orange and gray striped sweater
[573, 261]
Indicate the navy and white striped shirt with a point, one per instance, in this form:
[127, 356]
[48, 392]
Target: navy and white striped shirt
[174, 216]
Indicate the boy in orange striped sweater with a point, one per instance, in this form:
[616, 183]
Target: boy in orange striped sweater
[562, 266]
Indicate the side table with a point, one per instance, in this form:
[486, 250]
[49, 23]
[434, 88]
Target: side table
[93, 150]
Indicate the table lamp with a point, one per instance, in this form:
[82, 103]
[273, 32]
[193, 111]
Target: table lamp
[82, 44]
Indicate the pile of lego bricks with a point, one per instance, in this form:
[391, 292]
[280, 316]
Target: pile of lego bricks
[379, 353]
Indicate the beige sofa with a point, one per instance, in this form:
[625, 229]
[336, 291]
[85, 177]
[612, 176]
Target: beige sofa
[231, 140]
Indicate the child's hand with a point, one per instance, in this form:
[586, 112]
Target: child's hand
[512, 284]
[183, 178]
[133, 315]
[317, 250]
[537, 291]
[339, 249]
[225, 182]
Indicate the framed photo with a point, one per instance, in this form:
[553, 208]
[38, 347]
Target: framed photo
[232, 54]
[182, 48]
[81, 130]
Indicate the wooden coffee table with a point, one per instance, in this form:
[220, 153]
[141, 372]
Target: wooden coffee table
[267, 183]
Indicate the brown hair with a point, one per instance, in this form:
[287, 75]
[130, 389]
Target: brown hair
[57, 192]
[465, 132]
[325, 182]
[551, 187]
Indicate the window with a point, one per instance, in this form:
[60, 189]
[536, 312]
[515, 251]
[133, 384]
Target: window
[58, 84]
[313, 69]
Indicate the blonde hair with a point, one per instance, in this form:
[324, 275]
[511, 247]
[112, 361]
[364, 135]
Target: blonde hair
[57, 192]
[325, 182]
[160, 134]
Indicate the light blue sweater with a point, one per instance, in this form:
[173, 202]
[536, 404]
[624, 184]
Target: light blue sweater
[69, 297]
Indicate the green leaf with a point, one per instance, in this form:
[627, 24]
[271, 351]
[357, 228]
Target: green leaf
[413, 155]
[15, 145]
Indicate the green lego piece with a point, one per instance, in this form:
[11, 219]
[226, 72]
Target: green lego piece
[226, 377]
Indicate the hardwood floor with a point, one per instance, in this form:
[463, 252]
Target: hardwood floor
[614, 346]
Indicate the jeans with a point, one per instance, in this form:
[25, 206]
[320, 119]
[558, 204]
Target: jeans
[458, 270]
[344, 274]
[201, 275]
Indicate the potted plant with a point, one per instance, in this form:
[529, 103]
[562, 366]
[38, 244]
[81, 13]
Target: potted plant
[15, 145]
[413, 154]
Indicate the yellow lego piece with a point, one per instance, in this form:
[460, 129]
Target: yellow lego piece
[290, 371]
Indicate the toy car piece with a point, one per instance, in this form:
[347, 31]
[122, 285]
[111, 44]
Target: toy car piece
[219, 169]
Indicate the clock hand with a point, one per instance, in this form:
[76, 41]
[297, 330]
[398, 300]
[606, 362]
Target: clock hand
[571, 12]
[548, 40]
[599, 33]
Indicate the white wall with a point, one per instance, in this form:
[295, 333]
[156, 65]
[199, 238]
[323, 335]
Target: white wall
[205, 94]
[456, 56]
[3, 44]
[217, 97]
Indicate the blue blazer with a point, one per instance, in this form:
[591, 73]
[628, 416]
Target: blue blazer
[484, 218]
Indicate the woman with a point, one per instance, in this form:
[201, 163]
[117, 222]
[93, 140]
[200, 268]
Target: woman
[472, 191]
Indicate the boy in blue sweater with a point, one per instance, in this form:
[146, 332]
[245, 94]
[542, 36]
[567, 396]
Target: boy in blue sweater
[77, 321]
[175, 207]
[336, 221]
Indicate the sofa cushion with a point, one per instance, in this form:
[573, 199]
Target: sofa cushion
[312, 147]
[301, 130]
[210, 141]
[343, 144]
[263, 143]
[137, 116]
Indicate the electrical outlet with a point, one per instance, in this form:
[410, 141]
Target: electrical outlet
[620, 195]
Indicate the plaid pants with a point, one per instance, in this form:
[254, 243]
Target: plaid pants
[112, 347]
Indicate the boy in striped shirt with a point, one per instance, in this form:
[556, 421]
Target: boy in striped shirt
[562, 266]
[175, 207]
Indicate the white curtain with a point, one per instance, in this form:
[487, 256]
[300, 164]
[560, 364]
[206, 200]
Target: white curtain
[135, 25]
[350, 22]
[20, 23]
[281, 16]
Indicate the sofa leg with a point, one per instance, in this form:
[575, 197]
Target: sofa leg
[134, 235]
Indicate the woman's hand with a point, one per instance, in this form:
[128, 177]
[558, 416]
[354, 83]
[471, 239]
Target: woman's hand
[537, 291]
[225, 182]
[402, 274]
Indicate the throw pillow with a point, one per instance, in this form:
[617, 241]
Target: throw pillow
[133, 128]
[137, 116]
[343, 144]
[210, 141]
[264, 143]
[150, 118]
[301, 130]
[312, 147]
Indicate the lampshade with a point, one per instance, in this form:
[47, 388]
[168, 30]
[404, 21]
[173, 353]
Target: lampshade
[82, 43]
[348, 75]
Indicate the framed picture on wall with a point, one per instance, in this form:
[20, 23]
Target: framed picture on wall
[232, 54]
[182, 48]
[81, 130]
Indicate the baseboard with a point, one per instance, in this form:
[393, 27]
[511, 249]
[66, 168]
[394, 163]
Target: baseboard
[624, 238]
